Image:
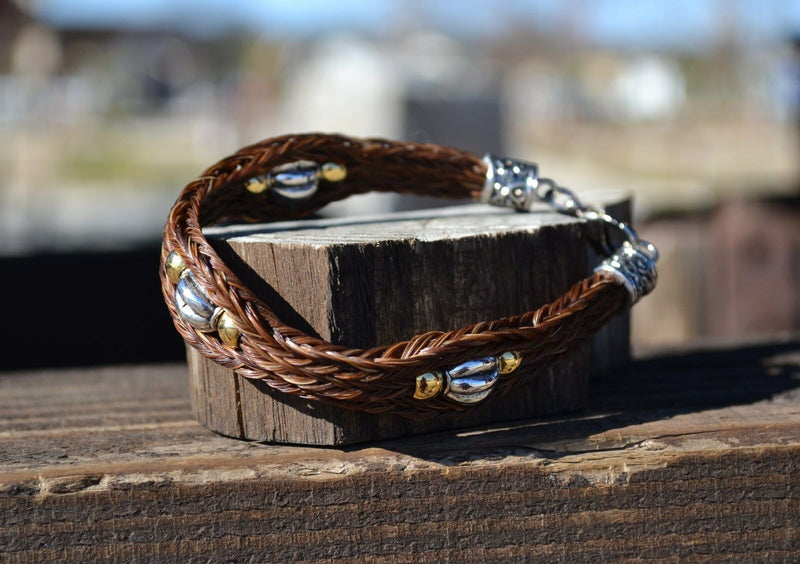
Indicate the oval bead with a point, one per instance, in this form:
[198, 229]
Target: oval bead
[227, 330]
[193, 303]
[334, 172]
[473, 367]
[257, 184]
[473, 383]
[509, 361]
[469, 399]
[295, 181]
[174, 266]
[190, 316]
[428, 385]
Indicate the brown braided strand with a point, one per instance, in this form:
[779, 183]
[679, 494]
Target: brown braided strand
[380, 379]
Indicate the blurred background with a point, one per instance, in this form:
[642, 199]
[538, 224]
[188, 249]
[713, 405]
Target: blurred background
[108, 108]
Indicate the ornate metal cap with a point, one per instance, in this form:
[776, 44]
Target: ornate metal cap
[509, 182]
[635, 268]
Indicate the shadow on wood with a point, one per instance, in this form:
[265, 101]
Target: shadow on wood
[653, 391]
[690, 455]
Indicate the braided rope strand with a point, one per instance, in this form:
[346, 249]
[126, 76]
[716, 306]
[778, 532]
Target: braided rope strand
[380, 379]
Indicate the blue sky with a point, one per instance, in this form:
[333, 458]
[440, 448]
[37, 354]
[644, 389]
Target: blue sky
[650, 24]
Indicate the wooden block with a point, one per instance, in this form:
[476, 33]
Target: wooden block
[363, 282]
[692, 455]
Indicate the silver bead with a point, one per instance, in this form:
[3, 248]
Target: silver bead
[192, 302]
[472, 381]
[294, 181]
[635, 269]
[472, 367]
[509, 183]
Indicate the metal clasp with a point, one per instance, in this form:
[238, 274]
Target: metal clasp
[516, 184]
[509, 183]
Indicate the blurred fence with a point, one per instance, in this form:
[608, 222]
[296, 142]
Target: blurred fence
[101, 123]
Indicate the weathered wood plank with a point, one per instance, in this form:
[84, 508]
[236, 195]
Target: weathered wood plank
[363, 282]
[689, 455]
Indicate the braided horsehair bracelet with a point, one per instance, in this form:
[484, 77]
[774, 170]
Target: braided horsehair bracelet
[438, 371]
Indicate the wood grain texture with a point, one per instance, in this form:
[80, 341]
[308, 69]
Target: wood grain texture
[364, 282]
[691, 455]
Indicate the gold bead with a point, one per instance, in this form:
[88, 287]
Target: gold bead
[257, 184]
[228, 332]
[509, 361]
[428, 385]
[174, 266]
[333, 172]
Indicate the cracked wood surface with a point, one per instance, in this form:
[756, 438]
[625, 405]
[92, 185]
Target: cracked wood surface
[693, 454]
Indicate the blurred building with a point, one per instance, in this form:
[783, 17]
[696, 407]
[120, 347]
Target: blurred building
[105, 114]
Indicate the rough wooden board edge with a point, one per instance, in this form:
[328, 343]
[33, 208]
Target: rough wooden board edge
[692, 503]
[705, 399]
